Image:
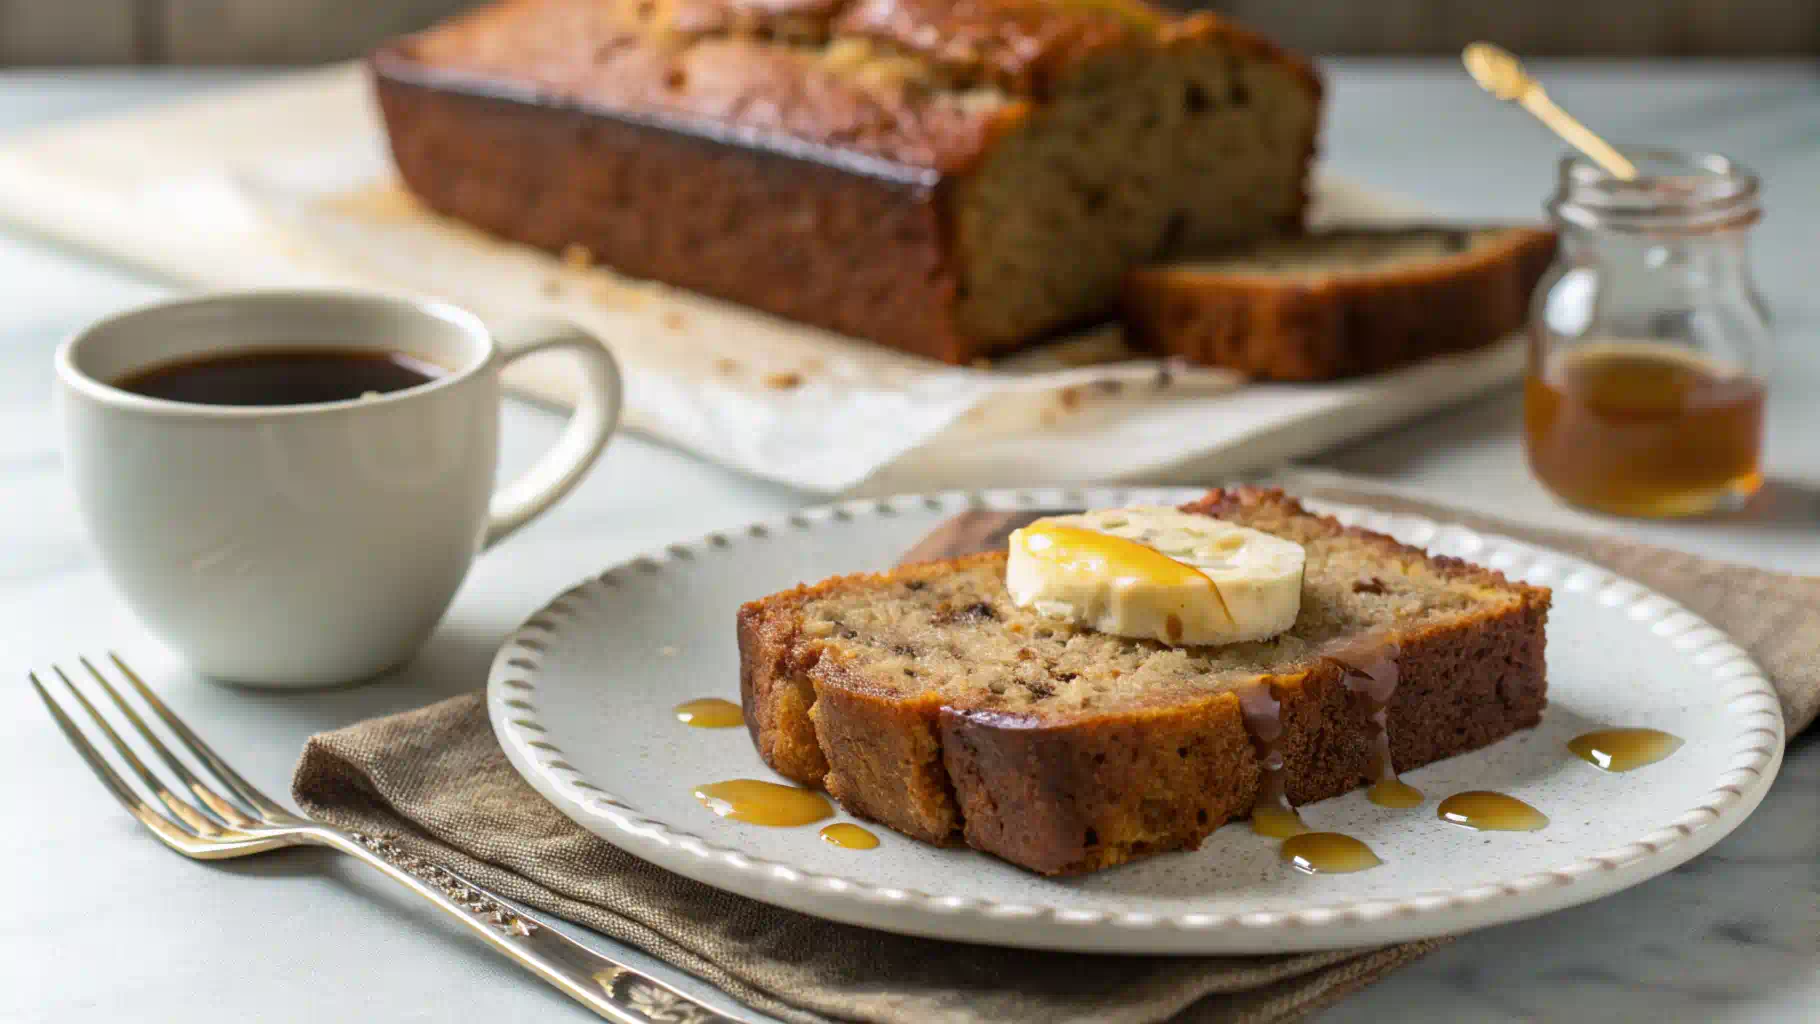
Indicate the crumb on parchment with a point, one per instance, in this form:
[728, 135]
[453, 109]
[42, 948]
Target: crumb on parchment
[784, 381]
[726, 365]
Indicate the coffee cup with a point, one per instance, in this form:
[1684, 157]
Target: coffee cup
[313, 544]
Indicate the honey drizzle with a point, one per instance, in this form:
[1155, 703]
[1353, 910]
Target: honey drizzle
[1369, 669]
[709, 713]
[1089, 552]
[1272, 815]
[1622, 750]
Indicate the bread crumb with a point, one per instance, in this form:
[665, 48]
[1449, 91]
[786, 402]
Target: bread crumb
[726, 365]
[1071, 399]
[783, 381]
[551, 286]
[667, 651]
[577, 256]
[673, 320]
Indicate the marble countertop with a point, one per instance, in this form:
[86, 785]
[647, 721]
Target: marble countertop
[105, 925]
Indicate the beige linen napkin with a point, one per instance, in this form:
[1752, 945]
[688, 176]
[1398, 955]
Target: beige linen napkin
[437, 781]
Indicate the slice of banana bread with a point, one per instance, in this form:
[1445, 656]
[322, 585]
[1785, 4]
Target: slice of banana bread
[924, 699]
[1339, 303]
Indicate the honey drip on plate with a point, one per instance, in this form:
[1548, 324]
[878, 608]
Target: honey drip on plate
[1620, 750]
[1394, 793]
[1328, 853]
[1369, 670]
[848, 836]
[1276, 820]
[1272, 815]
[1491, 812]
[764, 803]
[710, 713]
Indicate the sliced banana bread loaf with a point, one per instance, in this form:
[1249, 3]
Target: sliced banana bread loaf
[1339, 303]
[923, 699]
[947, 177]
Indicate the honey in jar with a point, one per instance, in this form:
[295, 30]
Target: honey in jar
[1645, 393]
[1644, 430]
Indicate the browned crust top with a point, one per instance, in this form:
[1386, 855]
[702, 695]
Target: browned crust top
[921, 83]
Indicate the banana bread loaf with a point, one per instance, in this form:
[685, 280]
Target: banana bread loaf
[924, 699]
[948, 177]
[1339, 303]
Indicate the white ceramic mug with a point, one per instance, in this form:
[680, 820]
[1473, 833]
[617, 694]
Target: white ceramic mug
[308, 545]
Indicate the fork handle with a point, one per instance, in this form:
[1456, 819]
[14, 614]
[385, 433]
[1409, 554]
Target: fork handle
[602, 984]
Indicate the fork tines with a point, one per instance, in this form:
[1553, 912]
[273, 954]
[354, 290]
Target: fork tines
[207, 825]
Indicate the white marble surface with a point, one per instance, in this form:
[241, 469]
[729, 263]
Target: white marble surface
[105, 925]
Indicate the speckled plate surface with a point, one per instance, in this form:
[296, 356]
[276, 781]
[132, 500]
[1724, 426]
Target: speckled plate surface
[581, 699]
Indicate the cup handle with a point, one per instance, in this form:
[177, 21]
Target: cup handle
[596, 414]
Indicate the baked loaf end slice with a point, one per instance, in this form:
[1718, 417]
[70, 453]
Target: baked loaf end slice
[1339, 303]
[923, 699]
[948, 178]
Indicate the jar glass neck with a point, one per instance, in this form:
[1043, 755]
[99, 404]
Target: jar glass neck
[1674, 195]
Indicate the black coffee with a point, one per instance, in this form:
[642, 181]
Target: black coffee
[281, 376]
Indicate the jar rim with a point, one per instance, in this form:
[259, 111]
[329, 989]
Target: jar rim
[1675, 192]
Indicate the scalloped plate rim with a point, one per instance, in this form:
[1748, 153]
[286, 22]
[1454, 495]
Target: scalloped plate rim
[1314, 927]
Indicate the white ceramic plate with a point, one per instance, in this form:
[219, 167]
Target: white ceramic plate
[581, 698]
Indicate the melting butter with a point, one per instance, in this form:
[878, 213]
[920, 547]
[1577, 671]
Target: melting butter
[1092, 553]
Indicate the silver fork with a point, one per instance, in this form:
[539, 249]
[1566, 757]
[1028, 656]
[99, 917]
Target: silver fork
[212, 826]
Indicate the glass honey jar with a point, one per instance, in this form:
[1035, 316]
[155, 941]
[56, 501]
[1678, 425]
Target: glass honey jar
[1648, 341]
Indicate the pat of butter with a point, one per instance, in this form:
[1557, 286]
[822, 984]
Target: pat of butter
[1157, 574]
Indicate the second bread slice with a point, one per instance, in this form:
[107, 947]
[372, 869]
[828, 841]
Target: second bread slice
[1339, 303]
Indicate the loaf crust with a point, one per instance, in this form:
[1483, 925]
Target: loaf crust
[698, 142]
[1083, 790]
[1282, 328]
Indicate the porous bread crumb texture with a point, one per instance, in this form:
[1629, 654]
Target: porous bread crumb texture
[1033, 151]
[923, 699]
[1137, 153]
[1338, 303]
